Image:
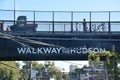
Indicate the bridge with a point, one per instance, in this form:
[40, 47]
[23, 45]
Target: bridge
[58, 35]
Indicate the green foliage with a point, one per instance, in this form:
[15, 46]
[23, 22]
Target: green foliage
[35, 66]
[24, 74]
[9, 70]
[58, 77]
[41, 68]
[111, 61]
[77, 70]
[96, 57]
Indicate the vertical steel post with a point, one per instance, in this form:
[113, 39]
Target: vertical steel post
[109, 25]
[53, 29]
[34, 20]
[90, 22]
[34, 15]
[71, 21]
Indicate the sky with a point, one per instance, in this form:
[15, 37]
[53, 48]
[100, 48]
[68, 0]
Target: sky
[62, 5]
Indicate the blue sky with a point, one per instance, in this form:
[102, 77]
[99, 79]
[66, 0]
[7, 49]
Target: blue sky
[62, 5]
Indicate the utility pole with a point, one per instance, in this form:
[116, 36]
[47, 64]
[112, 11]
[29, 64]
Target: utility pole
[30, 71]
[106, 74]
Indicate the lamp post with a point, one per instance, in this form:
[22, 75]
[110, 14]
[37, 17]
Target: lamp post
[14, 11]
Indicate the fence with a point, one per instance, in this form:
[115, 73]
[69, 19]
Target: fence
[65, 21]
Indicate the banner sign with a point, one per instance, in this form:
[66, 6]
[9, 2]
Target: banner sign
[54, 49]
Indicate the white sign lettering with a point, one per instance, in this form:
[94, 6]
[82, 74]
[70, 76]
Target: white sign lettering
[54, 50]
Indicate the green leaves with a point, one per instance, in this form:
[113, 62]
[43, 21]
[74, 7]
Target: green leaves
[9, 70]
[41, 68]
[111, 60]
[96, 57]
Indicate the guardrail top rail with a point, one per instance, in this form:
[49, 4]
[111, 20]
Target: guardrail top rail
[61, 21]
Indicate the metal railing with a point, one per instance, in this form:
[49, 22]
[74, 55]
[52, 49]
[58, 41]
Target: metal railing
[61, 15]
[68, 26]
[65, 21]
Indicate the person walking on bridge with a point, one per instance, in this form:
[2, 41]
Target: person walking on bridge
[84, 25]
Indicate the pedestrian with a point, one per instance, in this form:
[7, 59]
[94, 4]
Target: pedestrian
[84, 25]
[8, 28]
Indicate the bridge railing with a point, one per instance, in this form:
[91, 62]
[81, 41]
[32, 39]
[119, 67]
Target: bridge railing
[68, 26]
[60, 15]
[78, 26]
[65, 21]
[65, 26]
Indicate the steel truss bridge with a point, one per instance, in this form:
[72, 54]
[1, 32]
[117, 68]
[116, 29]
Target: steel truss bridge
[60, 35]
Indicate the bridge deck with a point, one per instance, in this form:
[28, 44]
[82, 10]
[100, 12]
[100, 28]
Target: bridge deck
[79, 35]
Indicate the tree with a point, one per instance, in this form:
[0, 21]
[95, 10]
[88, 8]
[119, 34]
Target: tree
[58, 77]
[110, 58]
[77, 72]
[39, 68]
[53, 71]
[35, 66]
[42, 68]
[24, 70]
[96, 57]
[9, 70]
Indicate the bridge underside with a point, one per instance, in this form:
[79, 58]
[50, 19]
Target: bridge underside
[55, 46]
